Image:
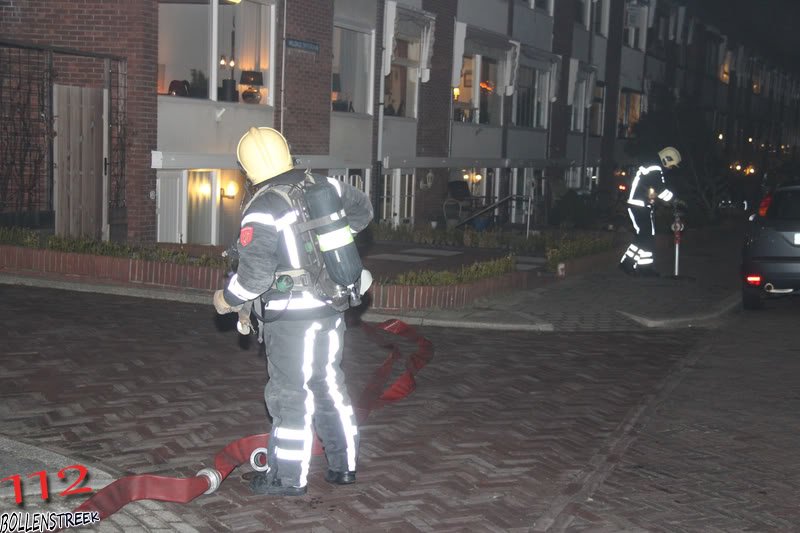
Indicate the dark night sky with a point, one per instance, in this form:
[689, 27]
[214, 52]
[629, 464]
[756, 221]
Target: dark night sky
[769, 26]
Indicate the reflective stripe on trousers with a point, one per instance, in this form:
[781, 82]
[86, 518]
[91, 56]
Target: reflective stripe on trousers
[640, 252]
[306, 389]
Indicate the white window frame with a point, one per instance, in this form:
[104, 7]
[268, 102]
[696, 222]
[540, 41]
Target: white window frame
[420, 66]
[399, 196]
[548, 10]
[602, 109]
[578, 114]
[213, 65]
[540, 93]
[635, 21]
[370, 33]
[505, 54]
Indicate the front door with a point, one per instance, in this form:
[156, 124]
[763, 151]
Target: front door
[397, 197]
[79, 173]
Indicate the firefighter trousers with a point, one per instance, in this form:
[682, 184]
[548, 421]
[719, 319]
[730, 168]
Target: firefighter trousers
[306, 391]
[640, 252]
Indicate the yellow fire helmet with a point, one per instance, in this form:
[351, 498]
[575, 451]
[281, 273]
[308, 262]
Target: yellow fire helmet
[670, 157]
[263, 154]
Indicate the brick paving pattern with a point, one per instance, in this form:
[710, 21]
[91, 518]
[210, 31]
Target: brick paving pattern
[498, 428]
[719, 453]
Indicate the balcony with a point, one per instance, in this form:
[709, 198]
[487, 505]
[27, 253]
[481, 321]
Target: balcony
[195, 125]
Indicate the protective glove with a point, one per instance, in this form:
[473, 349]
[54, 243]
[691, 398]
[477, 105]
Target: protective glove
[223, 307]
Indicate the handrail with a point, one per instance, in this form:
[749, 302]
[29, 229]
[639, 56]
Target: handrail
[493, 206]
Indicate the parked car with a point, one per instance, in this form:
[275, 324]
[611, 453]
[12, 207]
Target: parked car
[771, 252]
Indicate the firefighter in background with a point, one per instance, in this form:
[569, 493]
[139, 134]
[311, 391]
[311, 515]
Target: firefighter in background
[648, 186]
[303, 328]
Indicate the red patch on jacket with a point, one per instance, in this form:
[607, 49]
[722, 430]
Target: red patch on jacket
[246, 236]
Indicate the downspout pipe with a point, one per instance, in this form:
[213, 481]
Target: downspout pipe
[379, 147]
[283, 67]
[590, 91]
[378, 166]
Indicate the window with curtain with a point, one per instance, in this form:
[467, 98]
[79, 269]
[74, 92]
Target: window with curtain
[580, 12]
[597, 17]
[243, 41]
[630, 36]
[183, 52]
[400, 87]
[530, 98]
[350, 84]
[597, 110]
[629, 113]
[578, 106]
[462, 95]
[249, 24]
[491, 102]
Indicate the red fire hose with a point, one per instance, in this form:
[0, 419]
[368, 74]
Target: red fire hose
[121, 492]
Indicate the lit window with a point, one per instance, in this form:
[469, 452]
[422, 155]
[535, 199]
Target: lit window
[184, 53]
[350, 83]
[725, 68]
[491, 101]
[486, 108]
[243, 41]
[597, 110]
[629, 113]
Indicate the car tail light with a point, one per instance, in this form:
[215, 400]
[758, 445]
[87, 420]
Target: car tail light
[763, 207]
[753, 279]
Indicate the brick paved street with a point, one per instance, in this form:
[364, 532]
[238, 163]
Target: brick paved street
[506, 431]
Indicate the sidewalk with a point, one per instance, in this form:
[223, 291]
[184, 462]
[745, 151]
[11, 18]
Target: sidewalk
[604, 299]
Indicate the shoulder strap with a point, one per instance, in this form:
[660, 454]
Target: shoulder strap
[278, 185]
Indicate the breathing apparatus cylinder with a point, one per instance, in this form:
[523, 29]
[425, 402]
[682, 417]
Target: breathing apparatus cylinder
[334, 238]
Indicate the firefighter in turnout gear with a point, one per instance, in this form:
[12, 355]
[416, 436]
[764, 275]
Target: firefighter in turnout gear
[292, 221]
[648, 186]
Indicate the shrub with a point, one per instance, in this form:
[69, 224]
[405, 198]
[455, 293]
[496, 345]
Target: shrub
[32, 239]
[20, 237]
[476, 271]
[577, 246]
[557, 244]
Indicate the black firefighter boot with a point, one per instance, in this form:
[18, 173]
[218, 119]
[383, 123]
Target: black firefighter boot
[268, 484]
[627, 265]
[341, 478]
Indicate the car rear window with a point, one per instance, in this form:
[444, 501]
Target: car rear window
[785, 205]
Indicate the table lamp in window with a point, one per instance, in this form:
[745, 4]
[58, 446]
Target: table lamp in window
[253, 80]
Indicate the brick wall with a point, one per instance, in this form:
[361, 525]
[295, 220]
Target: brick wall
[306, 100]
[433, 122]
[563, 28]
[118, 27]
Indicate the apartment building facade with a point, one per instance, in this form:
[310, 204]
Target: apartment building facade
[519, 100]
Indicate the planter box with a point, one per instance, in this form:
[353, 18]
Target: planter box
[137, 272]
[404, 297]
[86, 267]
